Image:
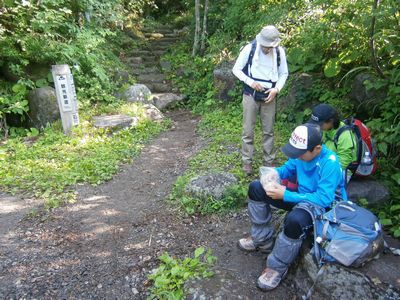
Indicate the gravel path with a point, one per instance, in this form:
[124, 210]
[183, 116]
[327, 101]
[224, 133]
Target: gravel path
[103, 246]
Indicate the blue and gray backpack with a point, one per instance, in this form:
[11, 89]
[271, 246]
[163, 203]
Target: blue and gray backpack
[347, 234]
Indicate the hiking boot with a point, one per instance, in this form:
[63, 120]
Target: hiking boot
[247, 169]
[247, 244]
[269, 279]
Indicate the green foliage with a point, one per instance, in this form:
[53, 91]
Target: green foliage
[169, 278]
[54, 162]
[81, 34]
[389, 214]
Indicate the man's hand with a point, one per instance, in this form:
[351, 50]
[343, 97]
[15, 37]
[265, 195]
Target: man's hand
[272, 94]
[276, 191]
[257, 86]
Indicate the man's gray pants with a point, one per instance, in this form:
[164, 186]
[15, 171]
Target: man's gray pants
[251, 109]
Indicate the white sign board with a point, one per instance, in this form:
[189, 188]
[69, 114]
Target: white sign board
[66, 96]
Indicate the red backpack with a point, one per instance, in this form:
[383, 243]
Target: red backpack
[366, 163]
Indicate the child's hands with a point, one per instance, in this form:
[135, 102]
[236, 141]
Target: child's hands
[276, 191]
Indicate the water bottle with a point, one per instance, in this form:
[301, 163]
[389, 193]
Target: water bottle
[366, 166]
[366, 160]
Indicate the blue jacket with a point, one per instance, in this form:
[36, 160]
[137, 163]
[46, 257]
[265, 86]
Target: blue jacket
[318, 179]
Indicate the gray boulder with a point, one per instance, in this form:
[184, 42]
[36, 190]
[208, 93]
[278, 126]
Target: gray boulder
[164, 100]
[114, 121]
[297, 92]
[224, 80]
[366, 101]
[374, 192]
[338, 282]
[153, 113]
[214, 185]
[43, 106]
[137, 93]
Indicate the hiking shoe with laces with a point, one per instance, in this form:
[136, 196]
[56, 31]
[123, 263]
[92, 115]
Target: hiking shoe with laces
[247, 244]
[247, 169]
[269, 279]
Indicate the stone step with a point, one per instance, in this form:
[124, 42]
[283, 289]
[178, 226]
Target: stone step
[149, 70]
[150, 58]
[172, 35]
[162, 42]
[152, 78]
[134, 60]
[159, 52]
[143, 65]
[158, 30]
[161, 47]
[153, 35]
[159, 87]
[138, 53]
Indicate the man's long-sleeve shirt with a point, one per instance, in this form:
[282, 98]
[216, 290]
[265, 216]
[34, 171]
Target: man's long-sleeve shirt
[264, 66]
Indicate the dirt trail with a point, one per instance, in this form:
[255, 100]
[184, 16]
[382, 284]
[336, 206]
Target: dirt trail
[105, 245]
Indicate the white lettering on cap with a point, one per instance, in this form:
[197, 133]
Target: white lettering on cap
[315, 118]
[299, 138]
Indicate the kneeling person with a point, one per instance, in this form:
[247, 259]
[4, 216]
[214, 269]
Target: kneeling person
[319, 177]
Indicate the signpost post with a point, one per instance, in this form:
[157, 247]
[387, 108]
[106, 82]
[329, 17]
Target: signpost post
[66, 96]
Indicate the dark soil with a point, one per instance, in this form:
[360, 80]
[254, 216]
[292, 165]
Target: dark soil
[106, 244]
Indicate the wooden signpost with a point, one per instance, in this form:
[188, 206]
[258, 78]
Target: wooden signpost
[66, 96]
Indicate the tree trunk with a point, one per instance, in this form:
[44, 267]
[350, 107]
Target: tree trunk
[204, 33]
[197, 28]
[372, 42]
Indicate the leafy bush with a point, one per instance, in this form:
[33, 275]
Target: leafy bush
[169, 278]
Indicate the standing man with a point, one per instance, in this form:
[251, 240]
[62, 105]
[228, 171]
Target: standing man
[320, 183]
[262, 68]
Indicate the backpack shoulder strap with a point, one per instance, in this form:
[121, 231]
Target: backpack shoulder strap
[339, 132]
[278, 56]
[247, 68]
[349, 125]
[251, 54]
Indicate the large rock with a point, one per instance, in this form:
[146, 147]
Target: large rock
[214, 185]
[374, 192]
[137, 93]
[164, 100]
[339, 282]
[43, 106]
[114, 121]
[297, 93]
[153, 113]
[366, 101]
[224, 80]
